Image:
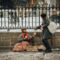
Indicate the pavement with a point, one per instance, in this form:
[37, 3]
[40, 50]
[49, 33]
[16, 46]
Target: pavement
[29, 56]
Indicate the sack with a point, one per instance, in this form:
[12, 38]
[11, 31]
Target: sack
[17, 47]
[52, 27]
[20, 46]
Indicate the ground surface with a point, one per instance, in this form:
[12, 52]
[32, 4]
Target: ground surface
[29, 56]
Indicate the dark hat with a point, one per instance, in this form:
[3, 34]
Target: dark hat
[23, 29]
[43, 15]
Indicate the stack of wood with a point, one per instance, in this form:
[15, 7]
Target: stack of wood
[31, 48]
[35, 48]
[26, 47]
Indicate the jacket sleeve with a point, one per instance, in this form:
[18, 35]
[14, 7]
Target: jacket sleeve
[46, 23]
[20, 38]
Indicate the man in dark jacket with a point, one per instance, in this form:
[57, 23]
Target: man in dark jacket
[25, 36]
[45, 31]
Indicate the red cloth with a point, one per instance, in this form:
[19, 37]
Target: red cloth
[24, 35]
[20, 46]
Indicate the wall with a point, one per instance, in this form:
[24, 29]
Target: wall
[8, 40]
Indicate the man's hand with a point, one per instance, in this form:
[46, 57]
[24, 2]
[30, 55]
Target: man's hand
[38, 27]
[34, 33]
[25, 37]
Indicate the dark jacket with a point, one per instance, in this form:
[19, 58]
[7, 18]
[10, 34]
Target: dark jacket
[22, 36]
[45, 32]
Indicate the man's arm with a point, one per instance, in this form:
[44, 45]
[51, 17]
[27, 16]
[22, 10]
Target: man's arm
[46, 23]
[20, 39]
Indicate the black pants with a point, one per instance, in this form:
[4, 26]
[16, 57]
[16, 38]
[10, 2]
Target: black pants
[31, 41]
[46, 44]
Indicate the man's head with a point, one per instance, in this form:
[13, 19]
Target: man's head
[43, 16]
[23, 30]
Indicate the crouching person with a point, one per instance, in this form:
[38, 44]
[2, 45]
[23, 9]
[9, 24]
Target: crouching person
[24, 39]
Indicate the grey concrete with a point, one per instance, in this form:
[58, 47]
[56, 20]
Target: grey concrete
[29, 56]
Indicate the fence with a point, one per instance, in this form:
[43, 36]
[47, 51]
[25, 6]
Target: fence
[28, 17]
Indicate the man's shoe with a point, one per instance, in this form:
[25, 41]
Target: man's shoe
[48, 51]
[40, 50]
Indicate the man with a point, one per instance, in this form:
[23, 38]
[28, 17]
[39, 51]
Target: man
[45, 32]
[25, 36]
[24, 39]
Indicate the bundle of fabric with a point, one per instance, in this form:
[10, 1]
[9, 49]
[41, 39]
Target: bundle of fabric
[20, 46]
[32, 48]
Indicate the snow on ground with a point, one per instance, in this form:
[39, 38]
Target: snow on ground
[29, 56]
